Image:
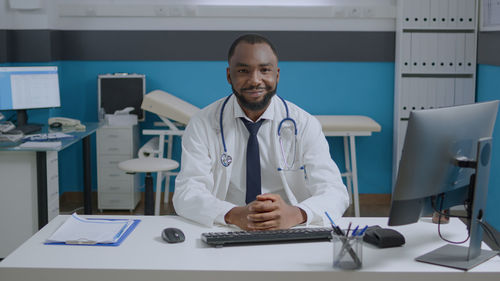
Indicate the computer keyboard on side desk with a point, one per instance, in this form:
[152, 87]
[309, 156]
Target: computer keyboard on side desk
[220, 239]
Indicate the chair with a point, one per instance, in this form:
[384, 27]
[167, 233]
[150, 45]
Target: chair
[148, 166]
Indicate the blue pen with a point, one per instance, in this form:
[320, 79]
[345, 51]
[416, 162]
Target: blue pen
[355, 230]
[335, 228]
[328, 216]
[363, 230]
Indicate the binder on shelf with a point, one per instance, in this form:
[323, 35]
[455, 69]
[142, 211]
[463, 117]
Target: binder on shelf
[452, 13]
[404, 110]
[409, 14]
[405, 52]
[470, 52]
[469, 13]
[460, 52]
[445, 92]
[431, 93]
[464, 91]
[451, 41]
[432, 52]
[442, 13]
[417, 49]
[92, 231]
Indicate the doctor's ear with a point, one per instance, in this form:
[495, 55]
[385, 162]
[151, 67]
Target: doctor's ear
[228, 76]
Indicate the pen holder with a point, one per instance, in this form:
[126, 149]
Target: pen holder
[347, 251]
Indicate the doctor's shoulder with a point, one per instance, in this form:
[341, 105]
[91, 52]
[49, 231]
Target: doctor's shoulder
[303, 118]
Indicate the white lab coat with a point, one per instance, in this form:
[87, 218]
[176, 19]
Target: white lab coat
[202, 183]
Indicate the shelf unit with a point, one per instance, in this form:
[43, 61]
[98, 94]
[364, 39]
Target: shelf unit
[435, 63]
[116, 189]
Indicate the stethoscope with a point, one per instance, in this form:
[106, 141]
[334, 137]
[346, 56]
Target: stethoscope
[226, 159]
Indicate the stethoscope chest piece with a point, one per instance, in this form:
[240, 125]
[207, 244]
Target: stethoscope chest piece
[226, 159]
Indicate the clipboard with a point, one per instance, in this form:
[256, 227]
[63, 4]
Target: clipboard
[117, 243]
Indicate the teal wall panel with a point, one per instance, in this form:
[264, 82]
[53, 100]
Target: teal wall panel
[347, 88]
[488, 88]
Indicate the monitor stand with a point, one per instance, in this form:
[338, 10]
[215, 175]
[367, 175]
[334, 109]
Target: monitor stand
[461, 257]
[22, 123]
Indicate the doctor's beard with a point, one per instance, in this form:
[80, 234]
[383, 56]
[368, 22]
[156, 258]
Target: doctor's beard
[255, 106]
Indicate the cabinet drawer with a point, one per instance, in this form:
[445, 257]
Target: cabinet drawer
[113, 160]
[116, 186]
[115, 141]
[114, 173]
[115, 201]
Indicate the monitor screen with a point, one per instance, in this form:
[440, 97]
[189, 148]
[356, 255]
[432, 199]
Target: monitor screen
[29, 87]
[118, 91]
[435, 138]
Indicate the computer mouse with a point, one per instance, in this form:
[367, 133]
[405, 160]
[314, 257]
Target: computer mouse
[173, 235]
[56, 125]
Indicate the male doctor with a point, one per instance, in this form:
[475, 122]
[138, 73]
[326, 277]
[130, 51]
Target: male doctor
[237, 170]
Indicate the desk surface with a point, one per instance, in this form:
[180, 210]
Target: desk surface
[144, 256]
[91, 127]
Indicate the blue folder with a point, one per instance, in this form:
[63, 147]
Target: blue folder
[117, 243]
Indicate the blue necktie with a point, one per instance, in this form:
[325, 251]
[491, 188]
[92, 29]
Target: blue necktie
[253, 161]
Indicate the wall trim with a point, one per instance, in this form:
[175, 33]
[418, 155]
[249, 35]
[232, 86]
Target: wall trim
[53, 45]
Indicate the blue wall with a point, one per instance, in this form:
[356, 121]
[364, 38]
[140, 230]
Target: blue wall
[318, 87]
[488, 88]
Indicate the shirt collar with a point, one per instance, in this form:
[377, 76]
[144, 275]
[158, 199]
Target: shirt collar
[268, 114]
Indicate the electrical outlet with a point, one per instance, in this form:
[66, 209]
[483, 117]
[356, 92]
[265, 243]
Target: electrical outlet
[160, 11]
[354, 12]
[368, 12]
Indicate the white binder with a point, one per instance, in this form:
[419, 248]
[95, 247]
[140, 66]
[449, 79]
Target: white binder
[452, 13]
[432, 52]
[409, 14]
[423, 12]
[464, 91]
[445, 93]
[469, 13]
[431, 93]
[404, 111]
[405, 52]
[470, 52]
[460, 53]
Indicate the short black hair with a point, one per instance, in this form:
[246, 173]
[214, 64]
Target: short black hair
[251, 38]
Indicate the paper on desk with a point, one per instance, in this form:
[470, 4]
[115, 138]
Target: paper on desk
[78, 230]
[41, 144]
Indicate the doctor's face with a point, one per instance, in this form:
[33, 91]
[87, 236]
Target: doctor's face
[253, 74]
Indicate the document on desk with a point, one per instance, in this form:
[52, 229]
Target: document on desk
[41, 144]
[82, 231]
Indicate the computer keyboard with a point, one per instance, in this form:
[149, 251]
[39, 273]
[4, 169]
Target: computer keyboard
[220, 239]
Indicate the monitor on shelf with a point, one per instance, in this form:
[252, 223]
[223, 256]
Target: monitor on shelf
[445, 163]
[28, 87]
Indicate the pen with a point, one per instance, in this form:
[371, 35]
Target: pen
[335, 228]
[363, 230]
[348, 229]
[355, 230]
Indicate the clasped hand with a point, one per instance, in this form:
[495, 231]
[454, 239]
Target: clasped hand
[267, 212]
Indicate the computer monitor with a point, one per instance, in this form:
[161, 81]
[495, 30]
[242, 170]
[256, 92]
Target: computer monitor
[445, 163]
[30, 87]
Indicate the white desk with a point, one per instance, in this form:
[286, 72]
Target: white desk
[29, 198]
[144, 256]
[349, 126]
